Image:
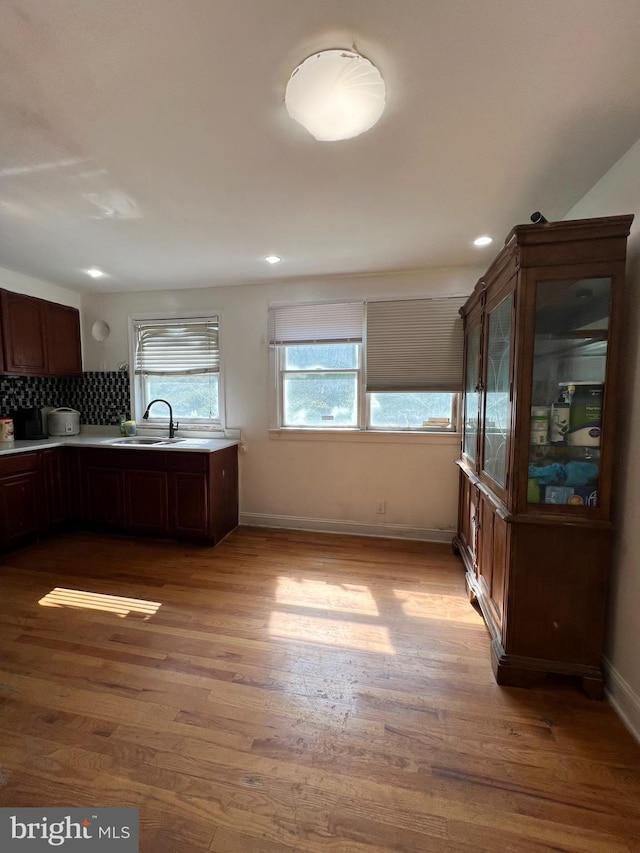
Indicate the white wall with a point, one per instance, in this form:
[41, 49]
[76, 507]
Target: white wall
[618, 192]
[329, 484]
[19, 283]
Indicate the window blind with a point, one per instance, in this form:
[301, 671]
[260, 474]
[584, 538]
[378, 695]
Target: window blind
[414, 345]
[331, 323]
[177, 347]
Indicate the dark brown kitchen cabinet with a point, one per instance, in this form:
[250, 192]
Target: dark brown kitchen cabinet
[103, 496]
[181, 494]
[540, 403]
[185, 495]
[22, 513]
[62, 339]
[146, 501]
[23, 338]
[190, 506]
[223, 491]
[204, 493]
[59, 486]
[39, 338]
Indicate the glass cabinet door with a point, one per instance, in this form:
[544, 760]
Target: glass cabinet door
[497, 409]
[471, 395]
[569, 369]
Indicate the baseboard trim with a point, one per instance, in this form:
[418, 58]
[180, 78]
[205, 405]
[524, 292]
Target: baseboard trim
[624, 700]
[352, 528]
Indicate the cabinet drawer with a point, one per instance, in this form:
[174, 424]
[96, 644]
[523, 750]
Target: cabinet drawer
[19, 463]
[123, 457]
[191, 463]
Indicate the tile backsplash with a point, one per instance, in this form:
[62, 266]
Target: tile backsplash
[100, 397]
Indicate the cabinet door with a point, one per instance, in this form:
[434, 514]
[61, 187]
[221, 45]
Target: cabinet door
[147, 502]
[570, 389]
[58, 487]
[20, 516]
[23, 334]
[492, 558]
[103, 503]
[469, 521]
[190, 515]
[472, 389]
[499, 567]
[223, 491]
[497, 395]
[485, 538]
[62, 336]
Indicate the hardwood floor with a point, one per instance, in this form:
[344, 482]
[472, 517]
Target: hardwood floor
[291, 691]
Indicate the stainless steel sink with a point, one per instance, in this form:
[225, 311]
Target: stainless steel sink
[137, 440]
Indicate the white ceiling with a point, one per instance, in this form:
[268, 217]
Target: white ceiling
[149, 138]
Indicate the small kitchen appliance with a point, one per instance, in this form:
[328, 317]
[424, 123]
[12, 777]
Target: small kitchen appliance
[28, 423]
[64, 421]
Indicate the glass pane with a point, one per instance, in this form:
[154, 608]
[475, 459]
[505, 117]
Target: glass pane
[411, 411]
[472, 398]
[496, 414]
[190, 396]
[322, 357]
[320, 399]
[569, 368]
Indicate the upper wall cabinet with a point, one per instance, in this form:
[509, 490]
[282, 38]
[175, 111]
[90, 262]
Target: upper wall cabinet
[39, 338]
[541, 406]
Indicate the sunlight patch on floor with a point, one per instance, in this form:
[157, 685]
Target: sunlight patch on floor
[447, 608]
[360, 636]
[76, 598]
[348, 597]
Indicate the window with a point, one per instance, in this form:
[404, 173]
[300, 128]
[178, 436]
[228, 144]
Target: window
[320, 385]
[327, 378]
[178, 360]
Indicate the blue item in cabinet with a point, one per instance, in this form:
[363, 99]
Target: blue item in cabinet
[572, 474]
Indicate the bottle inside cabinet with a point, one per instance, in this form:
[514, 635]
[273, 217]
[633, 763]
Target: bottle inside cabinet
[569, 367]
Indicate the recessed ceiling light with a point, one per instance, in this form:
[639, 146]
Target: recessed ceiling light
[482, 241]
[273, 259]
[94, 272]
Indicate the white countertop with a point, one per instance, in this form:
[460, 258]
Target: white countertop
[109, 439]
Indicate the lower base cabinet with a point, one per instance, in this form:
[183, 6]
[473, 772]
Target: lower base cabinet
[22, 509]
[59, 479]
[180, 494]
[541, 587]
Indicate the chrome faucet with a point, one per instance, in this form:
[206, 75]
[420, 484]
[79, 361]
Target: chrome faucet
[172, 427]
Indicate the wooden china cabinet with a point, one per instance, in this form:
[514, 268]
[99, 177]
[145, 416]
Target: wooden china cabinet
[542, 352]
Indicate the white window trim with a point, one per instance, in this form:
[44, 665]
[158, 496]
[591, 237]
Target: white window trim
[213, 429]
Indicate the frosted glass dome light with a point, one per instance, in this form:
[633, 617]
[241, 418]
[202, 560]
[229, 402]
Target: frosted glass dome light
[335, 94]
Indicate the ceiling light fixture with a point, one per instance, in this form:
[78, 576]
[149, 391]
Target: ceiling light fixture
[335, 94]
[482, 241]
[94, 272]
[273, 259]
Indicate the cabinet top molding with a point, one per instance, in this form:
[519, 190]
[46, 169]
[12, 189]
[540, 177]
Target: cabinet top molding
[570, 229]
[571, 241]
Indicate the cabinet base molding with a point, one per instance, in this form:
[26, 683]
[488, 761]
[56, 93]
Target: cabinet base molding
[514, 671]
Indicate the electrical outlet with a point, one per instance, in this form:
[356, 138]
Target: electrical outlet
[382, 508]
